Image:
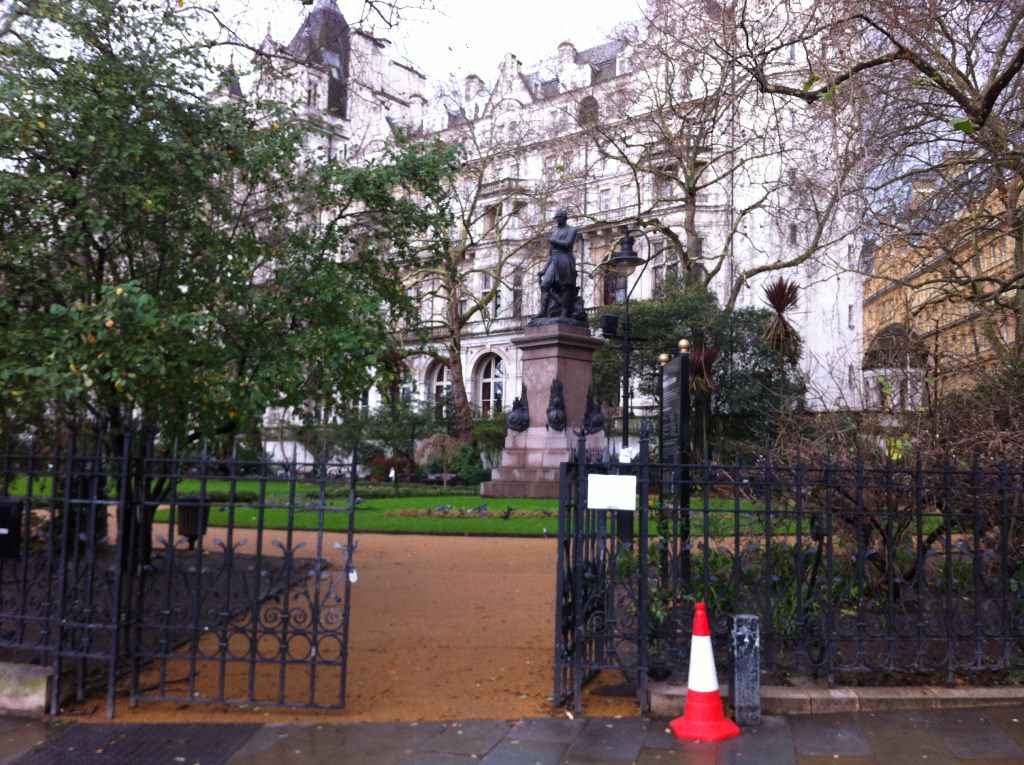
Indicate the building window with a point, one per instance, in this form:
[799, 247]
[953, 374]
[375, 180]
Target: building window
[488, 284]
[517, 295]
[602, 71]
[606, 199]
[589, 112]
[362, 403]
[659, 267]
[313, 94]
[849, 317]
[492, 384]
[792, 233]
[614, 289]
[514, 225]
[439, 383]
[626, 195]
[490, 220]
[664, 183]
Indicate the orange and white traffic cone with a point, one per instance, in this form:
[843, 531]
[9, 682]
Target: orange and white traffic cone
[703, 718]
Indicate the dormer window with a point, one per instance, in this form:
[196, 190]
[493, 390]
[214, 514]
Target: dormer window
[602, 71]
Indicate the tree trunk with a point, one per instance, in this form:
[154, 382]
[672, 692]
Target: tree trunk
[690, 227]
[1017, 232]
[460, 400]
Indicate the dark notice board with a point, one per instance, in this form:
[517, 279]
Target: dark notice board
[672, 407]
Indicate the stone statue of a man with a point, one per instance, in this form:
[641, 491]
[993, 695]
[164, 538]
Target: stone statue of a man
[558, 290]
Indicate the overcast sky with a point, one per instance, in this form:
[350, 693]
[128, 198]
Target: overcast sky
[461, 36]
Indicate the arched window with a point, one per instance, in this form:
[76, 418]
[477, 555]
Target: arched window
[439, 385]
[588, 112]
[491, 384]
[440, 382]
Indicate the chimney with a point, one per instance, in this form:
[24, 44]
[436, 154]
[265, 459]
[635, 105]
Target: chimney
[511, 67]
[474, 87]
[566, 54]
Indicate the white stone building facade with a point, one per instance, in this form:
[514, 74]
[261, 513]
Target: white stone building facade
[531, 148]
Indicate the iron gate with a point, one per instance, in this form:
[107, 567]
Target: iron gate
[159, 574]
[600, 582]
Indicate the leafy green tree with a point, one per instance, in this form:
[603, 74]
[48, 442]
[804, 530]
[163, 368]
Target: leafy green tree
[489, 435]
[738, 395]
[178, 260]
[398, 425]
[178, 263]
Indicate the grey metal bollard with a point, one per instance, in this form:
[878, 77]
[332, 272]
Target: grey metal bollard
[746, 669]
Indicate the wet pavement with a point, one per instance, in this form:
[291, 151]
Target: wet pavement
[990, 735]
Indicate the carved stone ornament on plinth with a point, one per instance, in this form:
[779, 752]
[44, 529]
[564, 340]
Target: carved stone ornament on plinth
[557, 368]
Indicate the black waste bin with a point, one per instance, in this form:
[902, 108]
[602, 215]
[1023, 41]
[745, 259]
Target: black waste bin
[10, 528]
[193, 518]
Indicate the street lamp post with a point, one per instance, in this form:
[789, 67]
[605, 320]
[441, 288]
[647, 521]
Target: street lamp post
[663, 359]
[624, 262]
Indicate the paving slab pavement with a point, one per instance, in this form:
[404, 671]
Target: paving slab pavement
[983, 736]
[19, 735]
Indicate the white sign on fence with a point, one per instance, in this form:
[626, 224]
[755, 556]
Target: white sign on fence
[611, 492]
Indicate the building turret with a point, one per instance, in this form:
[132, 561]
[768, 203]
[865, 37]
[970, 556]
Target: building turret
[323, 40]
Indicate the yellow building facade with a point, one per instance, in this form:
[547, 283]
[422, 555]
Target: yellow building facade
[939, 310]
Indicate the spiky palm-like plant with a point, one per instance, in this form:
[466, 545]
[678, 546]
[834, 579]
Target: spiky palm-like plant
[781, 295]
[701, 361]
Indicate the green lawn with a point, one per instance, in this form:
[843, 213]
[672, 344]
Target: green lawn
[384, 515]
[528, 517]
[381, 511]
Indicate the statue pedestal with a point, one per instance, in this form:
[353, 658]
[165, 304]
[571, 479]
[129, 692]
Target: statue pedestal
[531, 459]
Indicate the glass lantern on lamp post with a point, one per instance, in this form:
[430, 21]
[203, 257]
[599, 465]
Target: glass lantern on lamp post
[623, 262]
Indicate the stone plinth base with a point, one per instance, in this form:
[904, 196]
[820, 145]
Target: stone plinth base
[529, 465]
[536, 489]
[531, 461]
[24, 689]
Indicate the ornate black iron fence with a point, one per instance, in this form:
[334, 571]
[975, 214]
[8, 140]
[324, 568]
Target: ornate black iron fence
[853, 570]
[157, 574]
